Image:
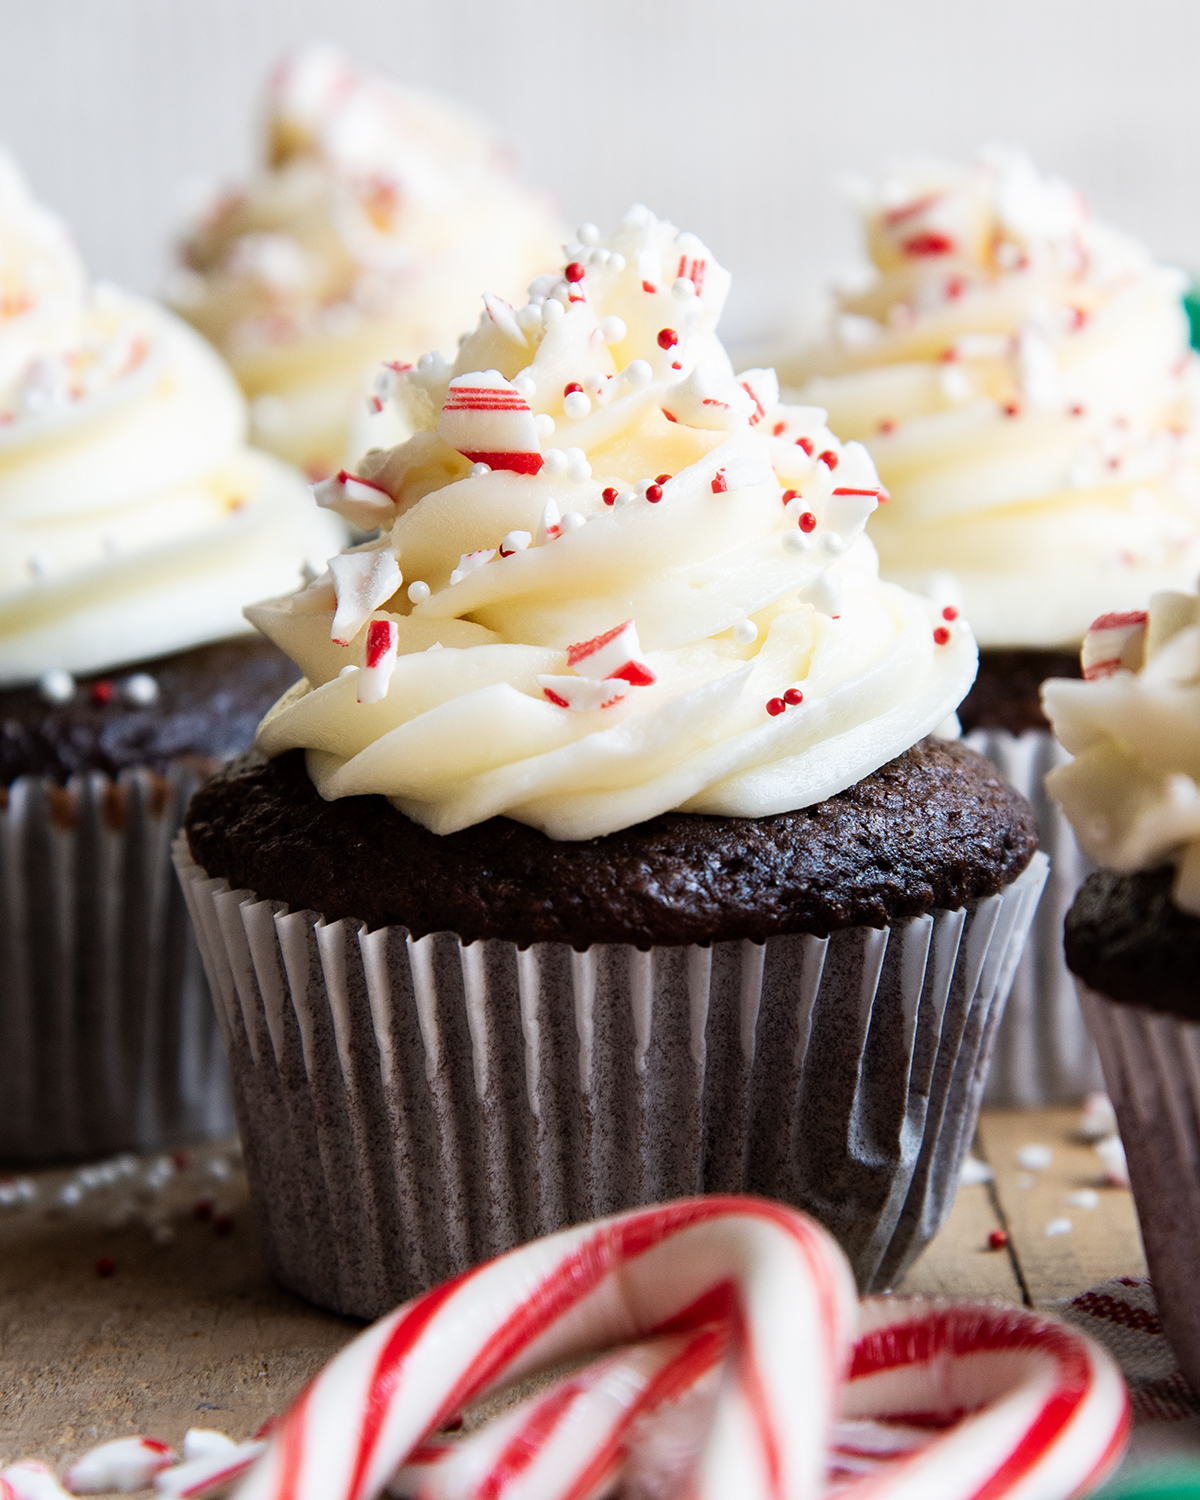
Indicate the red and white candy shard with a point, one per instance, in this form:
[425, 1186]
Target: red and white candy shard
[469, 561]
[771, 1277]
[209, 1474]
[615, 653]
[490, 422]
[126, 1464]
[29, 1480]
[1114, 642]
[729, 1370]
[379, 660]
[363, 581]
[847, 509]
[361, 501]
[550, 525]
[584, 694]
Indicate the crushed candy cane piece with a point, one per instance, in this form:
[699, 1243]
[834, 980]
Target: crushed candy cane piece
[490, 422]
[125, 1464]
[29, 1480]
[364, 581]
[362, 502]
[379, 660]
[615, 653]
[208, 1475]
[550, 525]
[469, 561]
[1034, 1157]
[584, 694]
[1113, 642]
[1098, 1117]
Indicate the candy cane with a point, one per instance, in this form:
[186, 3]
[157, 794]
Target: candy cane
[1027, 1405]
[776, 1277]
[569, 1442]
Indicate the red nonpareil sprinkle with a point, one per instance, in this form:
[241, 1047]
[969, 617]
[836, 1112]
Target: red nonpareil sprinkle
[609, 495]
[949, 613]
[929, 243]
[574, 272]
[571, 388]
[648, 286]
[675, 365]
[1077, 410]
[719, 484]
[829, 458]
[1010, 408]
[887, 425]
[661, 478]
[998, 1239]
[775, 706]
[793, 696]
[180, 1159]
[955, 287]
[941, 635]
[789, 495]
[106, 1266]
[1077, 318]
[778, 428]
[202, 1209]
[806, 444]
[102, 691]
[808, 522]
[667, 338]
[223, 1225]
[654, 493]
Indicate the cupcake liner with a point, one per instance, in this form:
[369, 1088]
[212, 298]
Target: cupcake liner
[1043, 1054]
[1152, 1068]
[410, 1107]
[108, 1039]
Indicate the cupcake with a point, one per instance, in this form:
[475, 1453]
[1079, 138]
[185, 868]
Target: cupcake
[606, 850]
[1022, 378]
[133, 525]
[378, 214]
[1133, 934]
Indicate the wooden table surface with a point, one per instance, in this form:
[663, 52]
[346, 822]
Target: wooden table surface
[192, 1331]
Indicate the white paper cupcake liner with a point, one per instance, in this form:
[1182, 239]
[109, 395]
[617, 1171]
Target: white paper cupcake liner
[409, 1107]
[108, 1039]
[1043, 1054]
[1152, 1068]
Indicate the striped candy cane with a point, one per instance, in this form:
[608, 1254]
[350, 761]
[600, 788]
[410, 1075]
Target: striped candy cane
[773, 1277]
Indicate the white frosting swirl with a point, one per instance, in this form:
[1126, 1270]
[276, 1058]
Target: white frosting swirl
[1132, 792]
[1023, 380]
[133, 521]
[654, 594]
[380, 214]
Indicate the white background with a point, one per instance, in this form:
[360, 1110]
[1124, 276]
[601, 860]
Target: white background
[733, 119]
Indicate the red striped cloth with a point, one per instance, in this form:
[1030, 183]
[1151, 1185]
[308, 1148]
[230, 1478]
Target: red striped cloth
[1122, 1315]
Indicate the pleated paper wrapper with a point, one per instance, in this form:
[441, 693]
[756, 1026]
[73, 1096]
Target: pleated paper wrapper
[108, 1039]
[1044, 1054]
[411, 1107]
[1152, 1068]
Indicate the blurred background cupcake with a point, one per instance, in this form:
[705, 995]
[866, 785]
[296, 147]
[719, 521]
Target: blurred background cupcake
[1133, 934]
[614, 777]
[134, 523]
[1022, 377]
[379, 214]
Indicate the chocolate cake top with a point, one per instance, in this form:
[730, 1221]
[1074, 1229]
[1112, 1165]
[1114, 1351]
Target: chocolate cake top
[933, 829]
[1126, 938]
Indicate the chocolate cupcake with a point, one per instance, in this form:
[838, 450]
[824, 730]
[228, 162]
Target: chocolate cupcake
[1133, 934]
[603, 853]
[378, 213]
[134, 524]
[1022, 378]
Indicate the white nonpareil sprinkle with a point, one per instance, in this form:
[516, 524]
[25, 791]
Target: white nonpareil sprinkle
[1084, 1198]
[638, 372]
[796, 541]
[1057, 1227]
[140, 689]
[974, 1171]
[745, 632]
[418, 592]
[479, 470]
[554, 461]
[545, 424]
[612, 329]
[1034, 1157]
[56, 686]
[577, 405]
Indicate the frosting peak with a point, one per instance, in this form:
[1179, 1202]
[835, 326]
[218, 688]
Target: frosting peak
[617, 577]
[1023, 379]
[133, 521]
[1132, 792]
[380, 212]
